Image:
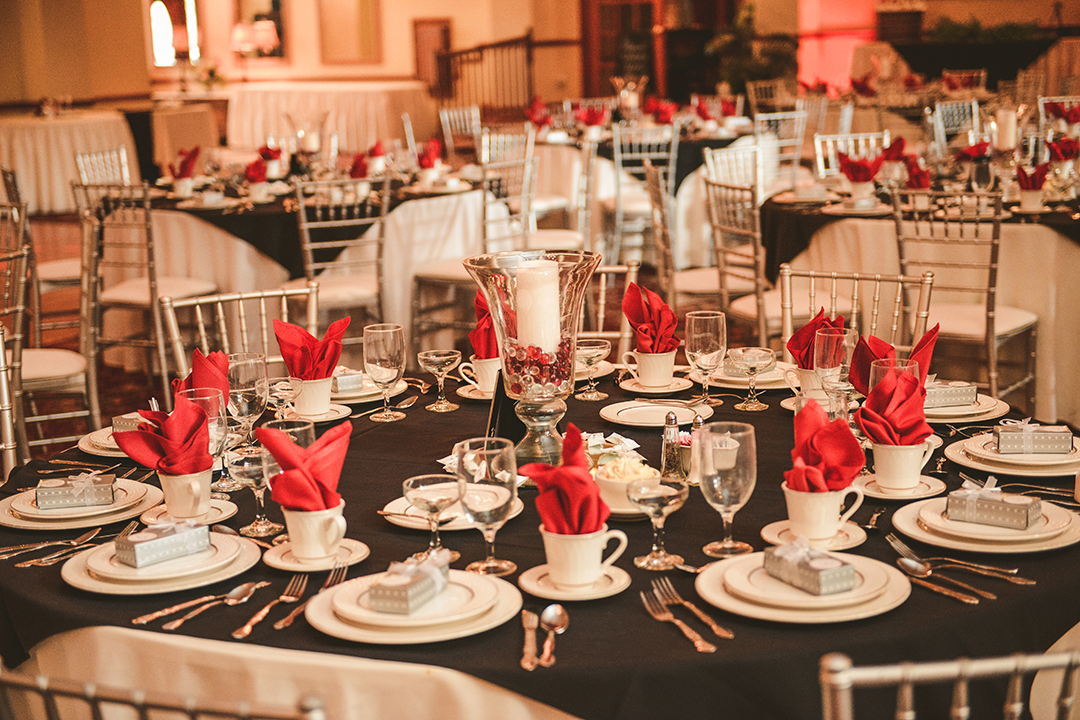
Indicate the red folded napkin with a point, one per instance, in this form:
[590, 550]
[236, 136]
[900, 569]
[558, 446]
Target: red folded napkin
[176, 443]
[309, 476]
[484, 342]
[912, 81]
[538, 114]
[826, 455]
[569, 500]
[873, 348]
[727, 107]
[918, 178]
[431, 154]
[359, 167]
[255, 172]
[862, 86]
[664, 111]
[1064, 149]
[591, 116]
[861, 170]
[377, 149]
[207, 371]
[820, 87]
[307, 357]
[1035, 180]
[702, 111]
[801, 342]
[187, 160]
[653, 321]
[895, 151]
[973, 152]
[955, 82]
[268, 153]
[1069, 114]
[651, 105]
[893, 413]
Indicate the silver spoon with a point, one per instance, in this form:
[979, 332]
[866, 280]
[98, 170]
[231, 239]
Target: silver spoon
[236, 596]
[226, 530]
[407, 402]
[555, 620]
[918, 569]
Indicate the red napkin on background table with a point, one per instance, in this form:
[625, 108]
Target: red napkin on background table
[862, 85]
[874, 348]
[702, 111]
[187, 160]
[484, 342]
[917, 178]
[431, 154]
[307, 357]
[309, 476]
[826, 455]
[664, 111]
[861, 170]
[207, 371]
[1035, 180]
[727, 107]
[893, 413]
[653, 321]
[377, 149]
[591, 116]
[912, 81]
[895, 151]
[1069, 114]
[651, 105]
[801, 342]
[973, 152]
[177, 443]
[569, 500]
[538, 114]
[267, 153]
[255, 172]
[359, 167]
[1064, 149]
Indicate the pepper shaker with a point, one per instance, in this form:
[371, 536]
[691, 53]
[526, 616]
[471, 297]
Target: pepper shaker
[670, 458]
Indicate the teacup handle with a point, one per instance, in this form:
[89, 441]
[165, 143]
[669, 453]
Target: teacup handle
[335, 529]
[632, 369]
[470, 376]
[791, 378]
[926, 454]
[617, 535]
[851, 510]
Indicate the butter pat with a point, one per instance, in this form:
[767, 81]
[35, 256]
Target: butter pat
[159, 543]
[1031, 438]
[407, 586]
[950, 394]
[86, 490]
[998, 509]
[809, 569]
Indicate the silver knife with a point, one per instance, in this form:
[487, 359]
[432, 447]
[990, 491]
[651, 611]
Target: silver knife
[530, 621]
[946, 591]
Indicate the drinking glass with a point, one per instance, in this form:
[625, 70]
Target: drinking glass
[384, 361]
[213, 402]
[833, 350]
[752, 360]
[658, 497]
[590, 352]
[282, 391]
[248, 466]
[431, 494]
[488, 468]
[706, 344]
[880, 369]
[248, 389]
[438, 363]
[301, 432]
[727, 461]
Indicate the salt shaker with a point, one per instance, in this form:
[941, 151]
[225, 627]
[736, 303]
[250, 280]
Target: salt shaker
[670, 458]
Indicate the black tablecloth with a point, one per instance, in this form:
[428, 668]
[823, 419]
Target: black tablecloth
[614, 661]
[1001, 60]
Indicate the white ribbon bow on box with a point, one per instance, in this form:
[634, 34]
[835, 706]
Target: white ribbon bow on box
[1027, 428]
[970, 492]
[431, 567]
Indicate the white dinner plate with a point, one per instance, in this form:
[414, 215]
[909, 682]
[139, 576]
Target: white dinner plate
[198, 204]
[790, 198]
[999, 409]
[1054, 521]
[879, 210]
[640, 414]
[366, 395]
[74, 573]
[103, 439]
[125, 494]
[104, 565]
[746, 577]
[906, 520]
[466, 595]
[710, 586]
[633, 385]
[320, 614]
[415, 520]
[771, 380]
[336, 412]
[982, 405]
[349, 552]
[985, 448]
[927, 487]
[788, 403]
[153, 497]
[603, 368]
[955, 452]
[88, 447]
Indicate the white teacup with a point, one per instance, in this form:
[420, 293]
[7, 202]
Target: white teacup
[259, 192]
[574, 561]
[481, 372]
[314, 397]
[377, 165]
[652, 370]
[273, 170]
[897, 467]
[315, 535]
[183, 187]
[801, 379]
[1031, 200]
[187, 496]
[212, 198]
[816, 515]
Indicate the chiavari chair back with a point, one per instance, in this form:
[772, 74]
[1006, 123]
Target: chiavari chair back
[608, 285]
[953, 117]
[105, 167]
[461, 130]
[629, 212]
[786, 130]
[854, 145]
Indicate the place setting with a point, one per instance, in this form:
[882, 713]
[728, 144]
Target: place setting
[1020, 448]
[93, 498]
[313, 362]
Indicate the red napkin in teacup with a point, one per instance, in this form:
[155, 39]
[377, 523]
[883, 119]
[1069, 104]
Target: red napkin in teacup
[207, 371]
[268, 153]
[1035, 180]
[1064, 149]
[826, 455]
[893, 413]
[702, 110]
[1069, 114]
[187, 160]
[973, 152]
[307, 357]
[862, 85]
[309, 476]
[912, 81]
[377, 149]
[538, 114]
[895, 151]
[918, 178]
[651, 105]
[255, 172]
[591, 116]
[653, 321]
[431, 154]
[861, 170]
[176, 443]
[484, 342]
[727, 107]
[873, 348]
[359, 167]
[664, 111]
[801, 342]
[569, 500]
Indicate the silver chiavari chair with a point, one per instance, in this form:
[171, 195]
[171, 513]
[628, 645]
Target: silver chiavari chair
[609, 282]
[9, 448]
[854, 145]
[628, 213]
[104, 167]
[461, 125]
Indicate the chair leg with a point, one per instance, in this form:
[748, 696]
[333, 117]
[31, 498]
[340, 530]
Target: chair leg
[162, 358]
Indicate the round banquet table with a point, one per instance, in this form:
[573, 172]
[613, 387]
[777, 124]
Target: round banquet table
[614, 661]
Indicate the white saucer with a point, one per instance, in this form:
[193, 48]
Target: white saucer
[219, 510]
[602, 369]
[368, 395]
[788, 403]
[676, 385]
[928, 487]
[535, 581]
[879, 210]
[639, 414]
[849, 536]
[337, 412]
[281, 557]
[471, 392]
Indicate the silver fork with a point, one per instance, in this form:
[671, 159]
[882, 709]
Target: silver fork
[658, 611]
[668, 595]
[1030, 487]
[900, 547]
[64, 554]
[292, 593]
[676, 402]
[337, 574]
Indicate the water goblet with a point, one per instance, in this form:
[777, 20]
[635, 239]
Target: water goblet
[590, 352]
[833, 350]
[431, 494]
[658, 497]
[384, 362]
[752, 361]
[439, 363]
[282, 391]
[488, 467]
[248, 466]
[885, 367]
[727, 462]
[212, 402]
[706, 344]
[248, 389]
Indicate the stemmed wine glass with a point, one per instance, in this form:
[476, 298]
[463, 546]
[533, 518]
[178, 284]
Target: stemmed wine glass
[880, 369]
[727, 461]
[590, 352]
[658, 497]
[249, 391]
[833, 350]
[212, 401]
[439, 363]
[282, 391]
[248, 466]
[431, 494]
[706, 344]
[752, 361]
[488, 468]
[384, 361]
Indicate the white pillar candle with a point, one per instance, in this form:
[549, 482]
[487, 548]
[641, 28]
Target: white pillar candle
[538, 304]
[309, 142]
[1006, 129]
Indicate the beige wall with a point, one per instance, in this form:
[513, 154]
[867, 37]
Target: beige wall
[996, 12]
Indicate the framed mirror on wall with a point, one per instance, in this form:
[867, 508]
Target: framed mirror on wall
[259, 31]
[349, 31]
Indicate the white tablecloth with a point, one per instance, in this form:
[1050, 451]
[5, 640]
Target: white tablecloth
[42, 151]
